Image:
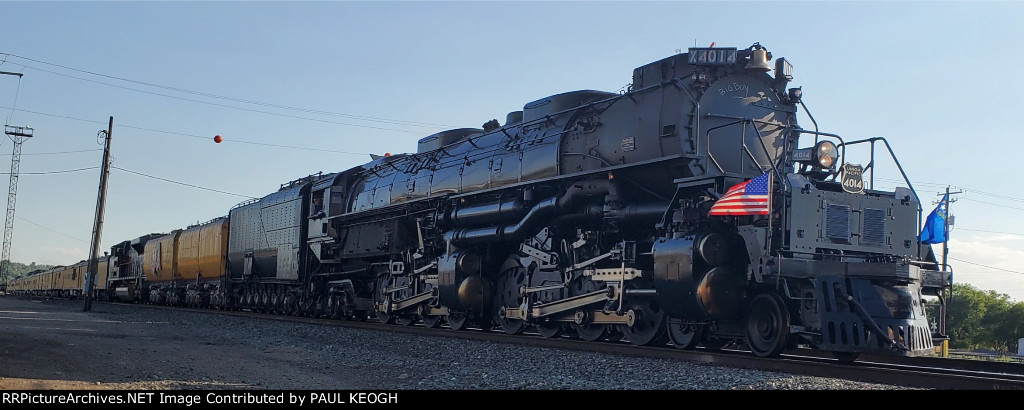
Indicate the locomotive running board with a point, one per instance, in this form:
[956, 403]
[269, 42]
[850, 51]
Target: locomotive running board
[556, 307]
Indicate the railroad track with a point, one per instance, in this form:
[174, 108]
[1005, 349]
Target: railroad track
[919, 372]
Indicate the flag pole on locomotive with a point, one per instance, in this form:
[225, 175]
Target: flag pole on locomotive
[935, 231]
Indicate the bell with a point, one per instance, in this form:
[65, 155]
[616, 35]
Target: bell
[759, 61]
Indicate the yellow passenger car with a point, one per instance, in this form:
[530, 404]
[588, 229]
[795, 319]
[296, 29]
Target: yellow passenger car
[99, 282]
[60, 280]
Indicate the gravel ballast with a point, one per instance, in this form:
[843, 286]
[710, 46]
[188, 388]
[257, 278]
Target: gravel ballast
[52, 344]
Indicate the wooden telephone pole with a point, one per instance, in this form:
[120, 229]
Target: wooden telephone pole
[97, 226]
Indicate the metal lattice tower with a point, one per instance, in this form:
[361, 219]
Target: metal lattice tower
[18, 135]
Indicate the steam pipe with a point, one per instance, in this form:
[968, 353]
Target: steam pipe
[638, 211]
[470, 236]
[486, 213]
[542, 210]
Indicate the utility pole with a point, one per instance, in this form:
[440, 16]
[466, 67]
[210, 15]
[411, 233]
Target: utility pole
[17, 135]
[945, 252]
[945, 242]
[97, 225]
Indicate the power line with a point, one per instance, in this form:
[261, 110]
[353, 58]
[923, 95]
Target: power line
[1008, 198]
[51, 230]
[240, 108]
[989, 203]
[59, 152]
[919, 183]
[258, 103]
[189, 135]
[986, 266]
[979, 230]
[969, 190]
[50, 172]
[16, 92]
[302, 148]
[181, 183]
[187, 91]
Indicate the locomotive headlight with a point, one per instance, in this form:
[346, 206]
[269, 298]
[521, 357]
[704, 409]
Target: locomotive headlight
[823, 155]
[826, 154]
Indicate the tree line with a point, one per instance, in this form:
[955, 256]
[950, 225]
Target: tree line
[17, 270]
[983, 319]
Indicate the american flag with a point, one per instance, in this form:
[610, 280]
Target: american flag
[749, 198]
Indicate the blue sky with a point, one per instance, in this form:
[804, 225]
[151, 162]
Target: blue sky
[299, 88]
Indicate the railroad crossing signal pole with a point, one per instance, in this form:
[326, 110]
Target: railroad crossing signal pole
[97, 226]
[18, 135]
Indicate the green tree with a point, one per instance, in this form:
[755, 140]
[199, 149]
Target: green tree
[983, 319]
[967, 307]
[16, 270]
[1009, 328]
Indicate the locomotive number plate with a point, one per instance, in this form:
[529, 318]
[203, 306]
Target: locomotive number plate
[712, 56]
[853, 178]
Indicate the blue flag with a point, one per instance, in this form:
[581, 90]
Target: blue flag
[934, 230]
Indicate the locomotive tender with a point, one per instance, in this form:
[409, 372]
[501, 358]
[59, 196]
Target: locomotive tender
[591, 213]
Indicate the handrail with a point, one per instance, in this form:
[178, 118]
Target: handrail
[246, 202]
[899, 166]
[696, 115]
[812, 120]
[707, 147]
[892, 155]
[743, 143]
[842, 144]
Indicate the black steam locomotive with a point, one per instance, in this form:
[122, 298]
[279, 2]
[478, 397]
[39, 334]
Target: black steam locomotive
[682, 209]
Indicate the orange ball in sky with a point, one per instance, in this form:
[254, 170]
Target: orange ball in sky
[218, 139]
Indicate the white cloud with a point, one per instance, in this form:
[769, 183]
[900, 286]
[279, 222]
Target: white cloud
[60, 256]
[997, 258]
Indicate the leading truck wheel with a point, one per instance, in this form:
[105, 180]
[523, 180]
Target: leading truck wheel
[767, 325]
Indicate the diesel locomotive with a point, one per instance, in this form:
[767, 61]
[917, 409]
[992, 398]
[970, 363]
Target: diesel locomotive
[690, 207]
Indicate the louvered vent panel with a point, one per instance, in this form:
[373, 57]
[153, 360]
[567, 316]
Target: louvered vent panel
[874, 226]
[837, 222]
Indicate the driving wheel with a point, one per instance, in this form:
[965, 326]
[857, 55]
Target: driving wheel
[457, 320]
[511, 280]
[648, 323]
